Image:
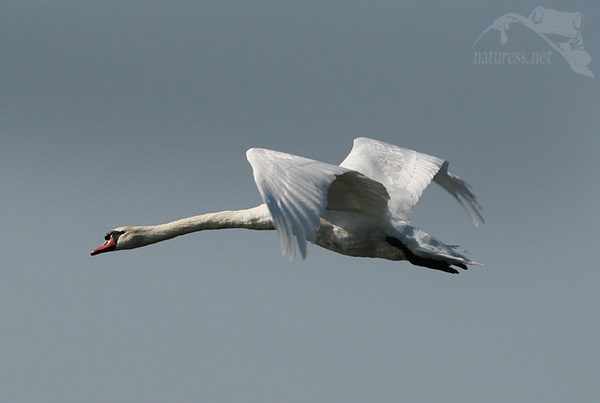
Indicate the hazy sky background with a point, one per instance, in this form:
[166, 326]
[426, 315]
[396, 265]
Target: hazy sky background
[140, 112]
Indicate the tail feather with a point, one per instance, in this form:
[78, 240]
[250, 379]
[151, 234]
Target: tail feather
[422, 249]
[425, 262]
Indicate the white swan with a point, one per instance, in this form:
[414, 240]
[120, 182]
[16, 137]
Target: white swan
[360, 208]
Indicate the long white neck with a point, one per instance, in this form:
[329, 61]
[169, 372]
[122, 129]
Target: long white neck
[256, 218]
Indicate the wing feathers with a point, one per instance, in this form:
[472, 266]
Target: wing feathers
[406, 173]
[461, 191]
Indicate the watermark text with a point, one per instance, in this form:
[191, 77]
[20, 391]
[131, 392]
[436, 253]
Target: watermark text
[492, 57]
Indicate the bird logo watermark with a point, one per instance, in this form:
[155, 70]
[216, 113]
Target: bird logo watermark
[559, 29]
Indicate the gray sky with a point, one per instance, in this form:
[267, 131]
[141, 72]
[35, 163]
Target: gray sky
[131, 112]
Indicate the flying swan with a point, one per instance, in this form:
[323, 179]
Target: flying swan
[360, 208]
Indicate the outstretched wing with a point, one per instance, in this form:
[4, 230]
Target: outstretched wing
[405, 174]
[297, 191]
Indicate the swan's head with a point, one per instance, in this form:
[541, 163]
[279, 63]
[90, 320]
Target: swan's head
[121, 238]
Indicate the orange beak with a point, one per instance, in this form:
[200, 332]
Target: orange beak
[107, 246]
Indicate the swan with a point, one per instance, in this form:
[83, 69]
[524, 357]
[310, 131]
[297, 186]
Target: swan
[360, 208]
